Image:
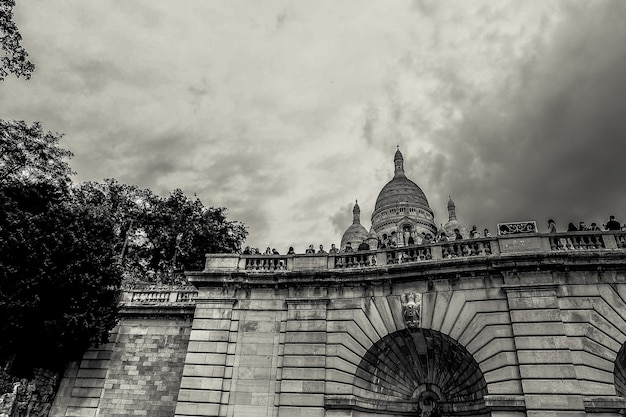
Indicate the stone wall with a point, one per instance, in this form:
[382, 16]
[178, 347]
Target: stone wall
[527, 333]
[137, 373]
[520, 335]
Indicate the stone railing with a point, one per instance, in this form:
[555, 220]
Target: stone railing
[440, 251]
[408, 254]
[355, 259]
[266, 263]
[465, 248]
[578, 241]
[158, 294]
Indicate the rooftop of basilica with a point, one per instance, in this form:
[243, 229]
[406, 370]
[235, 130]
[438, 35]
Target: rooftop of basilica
[406, 319]
[404, 233]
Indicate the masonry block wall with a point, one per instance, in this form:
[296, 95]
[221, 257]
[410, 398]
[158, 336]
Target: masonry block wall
[545, 341]
[524, 340]
[137, 373]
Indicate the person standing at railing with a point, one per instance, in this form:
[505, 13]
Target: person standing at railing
[333, 249]
[582, 227]
[571, 240]
[486, 233]
[594, 227]
[321, 249]
[474, 233]
[551, 226]
[612, 224]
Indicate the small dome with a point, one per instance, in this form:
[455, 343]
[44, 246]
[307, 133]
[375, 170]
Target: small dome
[453, 223]
[355, 233]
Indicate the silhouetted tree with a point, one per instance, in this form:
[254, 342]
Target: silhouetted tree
[14, 58]
[59, 275]
[157, 236]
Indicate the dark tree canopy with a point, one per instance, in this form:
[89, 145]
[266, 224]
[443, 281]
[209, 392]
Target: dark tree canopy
[13, 57]
[66, 249]
[59, 275]
[29, 155]
[157, 236]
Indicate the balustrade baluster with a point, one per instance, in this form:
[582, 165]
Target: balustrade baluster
[553, 244]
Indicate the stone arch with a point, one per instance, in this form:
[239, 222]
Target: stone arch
[408, 369]
[619, 374]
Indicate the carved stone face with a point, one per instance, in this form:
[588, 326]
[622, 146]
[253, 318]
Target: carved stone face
[411, 310]
[427, 406]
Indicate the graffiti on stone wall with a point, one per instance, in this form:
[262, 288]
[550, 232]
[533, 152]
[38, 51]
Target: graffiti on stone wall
[412, 310]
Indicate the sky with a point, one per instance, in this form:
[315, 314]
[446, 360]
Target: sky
[286, 112]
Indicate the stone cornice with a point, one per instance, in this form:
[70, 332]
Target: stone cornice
[452, 269]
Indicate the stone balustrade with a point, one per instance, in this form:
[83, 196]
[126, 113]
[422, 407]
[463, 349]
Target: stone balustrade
[157, 295]
[578, 241]
[266, 263]
[437, 252]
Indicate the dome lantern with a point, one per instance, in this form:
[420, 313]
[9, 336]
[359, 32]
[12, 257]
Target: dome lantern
[451, 209]
[356, 213]
[398, 161]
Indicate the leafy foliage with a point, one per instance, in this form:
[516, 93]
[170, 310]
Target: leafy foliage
[65, 249]
[58, 273]
[156, 236]
[15, 58]
[28, 155]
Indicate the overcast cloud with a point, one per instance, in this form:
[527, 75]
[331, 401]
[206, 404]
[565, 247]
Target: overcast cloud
[285, 112]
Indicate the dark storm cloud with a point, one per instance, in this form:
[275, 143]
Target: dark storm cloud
[280, 19]
[551, 141]
[342, 218]
[425, 7]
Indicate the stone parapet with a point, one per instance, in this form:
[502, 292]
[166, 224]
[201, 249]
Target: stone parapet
[138, 372]
[441, 252]
[158, 300]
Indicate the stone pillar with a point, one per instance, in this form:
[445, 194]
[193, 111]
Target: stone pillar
[257, 353]
[205, 385]
[547, 371]
[304, 359]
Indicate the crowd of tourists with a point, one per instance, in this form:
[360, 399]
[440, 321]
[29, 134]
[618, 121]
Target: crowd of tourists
[389, 241]
[611, 225]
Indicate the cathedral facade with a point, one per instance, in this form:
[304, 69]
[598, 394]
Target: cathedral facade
[400, 322]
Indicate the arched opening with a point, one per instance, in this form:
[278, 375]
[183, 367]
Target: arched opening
[407, 235]
[420, 372]
[619, 374]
